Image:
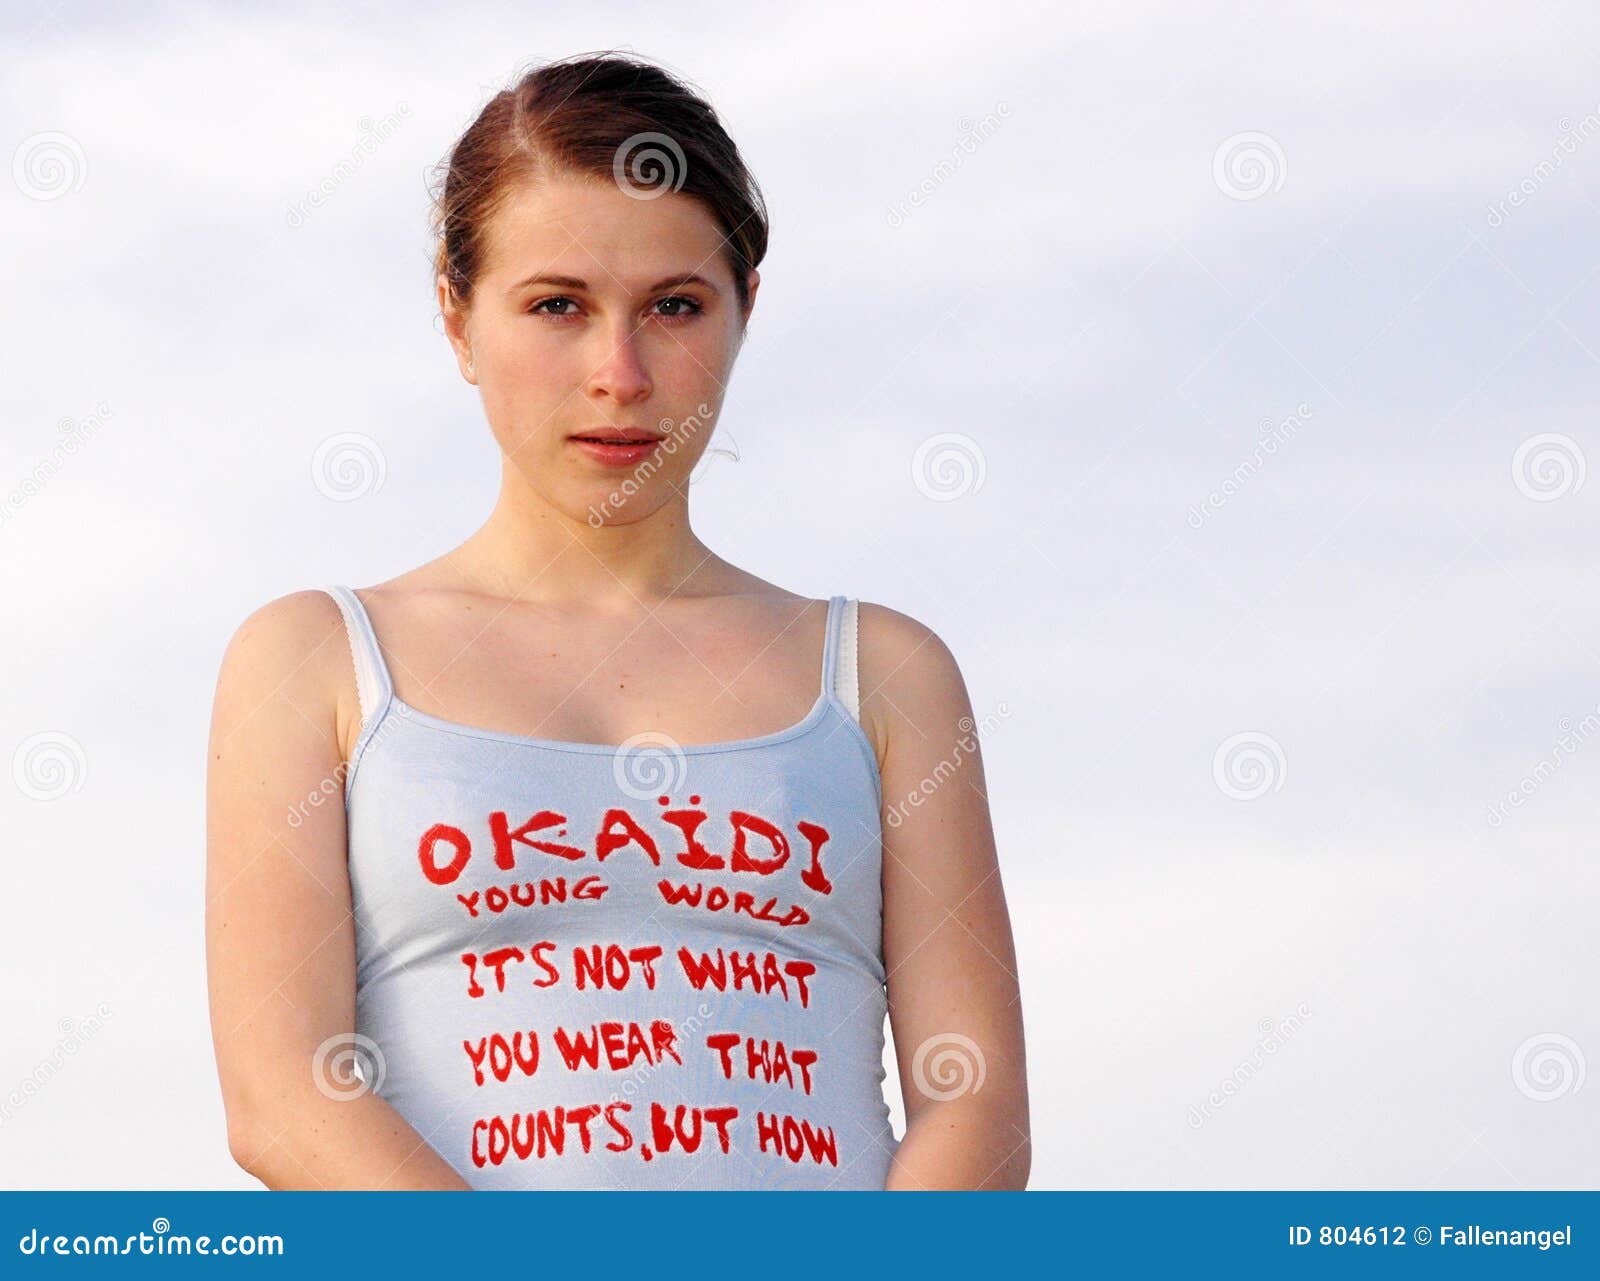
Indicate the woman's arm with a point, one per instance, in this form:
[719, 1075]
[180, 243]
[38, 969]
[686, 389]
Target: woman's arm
[954, 1001]
[280, 939]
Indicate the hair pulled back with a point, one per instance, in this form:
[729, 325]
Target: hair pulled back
[607, 116]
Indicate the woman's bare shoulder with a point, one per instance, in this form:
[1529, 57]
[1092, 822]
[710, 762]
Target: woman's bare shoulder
[911, 684]
[889, 641]
[286, 632]
[295, 648]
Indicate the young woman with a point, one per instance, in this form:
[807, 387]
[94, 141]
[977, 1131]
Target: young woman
[580, 857]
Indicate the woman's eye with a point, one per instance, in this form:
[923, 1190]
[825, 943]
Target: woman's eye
[678, 302]
[677, 307]
[538, 308]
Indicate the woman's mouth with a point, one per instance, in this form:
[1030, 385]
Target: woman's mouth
[616, 448]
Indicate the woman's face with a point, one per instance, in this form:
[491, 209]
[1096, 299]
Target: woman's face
[599, 309]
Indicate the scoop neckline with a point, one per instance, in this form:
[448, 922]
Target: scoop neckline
[429, 720]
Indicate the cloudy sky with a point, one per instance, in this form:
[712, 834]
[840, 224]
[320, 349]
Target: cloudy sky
[1218, 381]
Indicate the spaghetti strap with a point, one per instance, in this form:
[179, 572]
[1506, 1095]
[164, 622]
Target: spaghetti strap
[830, 645]
[839, 655]
[372, 674]
[845, 685]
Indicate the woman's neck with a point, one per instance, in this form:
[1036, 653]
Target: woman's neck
[529, 549]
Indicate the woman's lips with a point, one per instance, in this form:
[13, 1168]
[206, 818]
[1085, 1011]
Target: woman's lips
[613, 454]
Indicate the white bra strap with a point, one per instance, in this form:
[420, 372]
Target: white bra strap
[845, 680]
[373, 683]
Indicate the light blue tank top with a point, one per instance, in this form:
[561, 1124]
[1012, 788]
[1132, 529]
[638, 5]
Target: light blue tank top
[643, 966]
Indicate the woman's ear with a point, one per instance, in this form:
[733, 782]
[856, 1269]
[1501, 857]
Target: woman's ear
[752, 283]
[455, 329]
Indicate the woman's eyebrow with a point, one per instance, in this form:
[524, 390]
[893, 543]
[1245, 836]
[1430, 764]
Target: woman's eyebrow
[573, 282]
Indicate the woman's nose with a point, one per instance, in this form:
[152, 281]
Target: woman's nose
[620, 371]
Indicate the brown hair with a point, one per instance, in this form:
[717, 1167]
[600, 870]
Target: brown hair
[607, 115]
